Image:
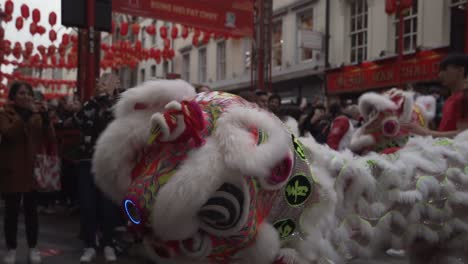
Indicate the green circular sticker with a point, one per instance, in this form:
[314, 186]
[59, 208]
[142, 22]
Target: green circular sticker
[285, 227]
[298, 148]
[298, 190]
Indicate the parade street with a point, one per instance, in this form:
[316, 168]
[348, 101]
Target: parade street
[59, 243]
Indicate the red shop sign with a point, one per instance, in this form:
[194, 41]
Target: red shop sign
[229, 16]
[361, 78]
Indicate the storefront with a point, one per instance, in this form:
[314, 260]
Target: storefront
[419, 70]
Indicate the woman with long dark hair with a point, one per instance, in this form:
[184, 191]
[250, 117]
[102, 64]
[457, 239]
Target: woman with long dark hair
[23, 125]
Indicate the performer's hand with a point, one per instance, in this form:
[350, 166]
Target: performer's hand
[416, 129]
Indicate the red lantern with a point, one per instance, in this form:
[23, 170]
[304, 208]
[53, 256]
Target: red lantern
[51, 50]
[52, 35]
[174, 32]
[53, 60]
[135, 29]
[6, 47]
[36, 15]
[206, 38]
[185, 32]
[33, 28]
[74, 39]
[29, 46]
[52, 18]
[62, 62]
[151, 30]
[41, 30]
[19, 23]
[167, 43]
[8, 18]
[25, 11]
[163, 32]
[197, 32]
[195, 40]
[65, 39]
[104, 46]
[9, 6]
[138, 46]
[124, 29]
[171, 53]
[41, 49]
[61, 50]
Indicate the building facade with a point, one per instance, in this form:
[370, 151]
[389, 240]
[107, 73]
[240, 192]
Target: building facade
[364, 43]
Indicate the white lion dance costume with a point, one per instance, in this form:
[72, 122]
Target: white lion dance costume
[211, 178]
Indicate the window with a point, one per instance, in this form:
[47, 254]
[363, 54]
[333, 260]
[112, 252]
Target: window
[186, 66]
[457, 26]
[410, 32]
[142, 75]
[165, 68]
[221, 60]
[304, 23]
[358, 30]
[153, 37]
[143, 37]
[277, 43]
[202, 65]
[247, 56]
[153, 70]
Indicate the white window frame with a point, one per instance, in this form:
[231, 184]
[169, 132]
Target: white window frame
[413, 34]
[221, 60]
[310, 10]
[186, 66]
[278, 45]
[360, 30]
[202, 65]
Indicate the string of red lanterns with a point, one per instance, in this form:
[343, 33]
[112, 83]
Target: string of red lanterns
[119, 54]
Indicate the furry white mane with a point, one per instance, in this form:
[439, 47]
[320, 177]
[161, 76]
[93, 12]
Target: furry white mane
[121, 143]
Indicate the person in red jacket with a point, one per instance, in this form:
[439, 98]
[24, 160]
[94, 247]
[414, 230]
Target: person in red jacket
[453, 73]
[341, 129]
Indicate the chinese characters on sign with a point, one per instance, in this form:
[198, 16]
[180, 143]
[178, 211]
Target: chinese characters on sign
[384, 74]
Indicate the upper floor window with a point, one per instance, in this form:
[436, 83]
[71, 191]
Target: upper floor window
[202, 65]
[304, 24]
[154, 37]
[143, 37]
[410, 29]
[221, 60]
[277, 42]
[142, 75]
[358, 30]
[186, 66]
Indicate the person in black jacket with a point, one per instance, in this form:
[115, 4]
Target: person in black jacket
[92, 120]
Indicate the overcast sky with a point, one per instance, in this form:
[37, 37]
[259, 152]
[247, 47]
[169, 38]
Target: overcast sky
[45, 7]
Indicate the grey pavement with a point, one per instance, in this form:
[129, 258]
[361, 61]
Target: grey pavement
[58, 240]
[59, 233]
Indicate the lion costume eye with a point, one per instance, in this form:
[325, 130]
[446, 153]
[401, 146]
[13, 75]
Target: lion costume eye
[390, 127]
[223, 211]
